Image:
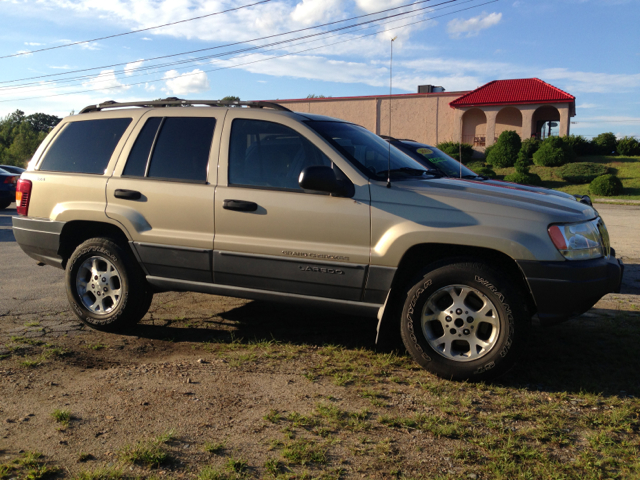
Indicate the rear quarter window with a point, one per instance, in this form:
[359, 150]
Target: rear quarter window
[85, 146]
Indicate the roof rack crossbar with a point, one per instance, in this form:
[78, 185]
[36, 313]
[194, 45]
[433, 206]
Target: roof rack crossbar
[175, 102]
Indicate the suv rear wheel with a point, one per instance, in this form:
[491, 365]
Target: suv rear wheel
[464, 321]
[105, 286]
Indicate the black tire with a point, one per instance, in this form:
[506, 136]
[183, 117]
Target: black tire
[486, 309]
[128, 294]
[4, 204]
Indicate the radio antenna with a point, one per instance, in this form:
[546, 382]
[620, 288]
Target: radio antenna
[390, 93]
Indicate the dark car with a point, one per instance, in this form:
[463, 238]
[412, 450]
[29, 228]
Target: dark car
[8, 182]
[13, 169]
[442, 164]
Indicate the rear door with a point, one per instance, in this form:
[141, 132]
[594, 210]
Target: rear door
[271, 234]
[162, 191]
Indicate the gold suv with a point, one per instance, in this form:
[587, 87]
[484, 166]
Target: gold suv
[249, 199]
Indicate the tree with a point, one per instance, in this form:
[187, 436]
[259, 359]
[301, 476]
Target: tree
[41, 122]
[605, 143]
[313, 95]
[230, 98]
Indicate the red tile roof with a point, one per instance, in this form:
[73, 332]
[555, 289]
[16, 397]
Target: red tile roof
[510, 92]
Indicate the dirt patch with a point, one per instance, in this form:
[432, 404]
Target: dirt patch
[213, 387]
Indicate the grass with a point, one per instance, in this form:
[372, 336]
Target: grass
[62, 416]
[29, 466]
[214, 447]
[627, 169]
[150, 453]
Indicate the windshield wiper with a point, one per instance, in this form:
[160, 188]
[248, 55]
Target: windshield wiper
[416, 172]
[474, 176]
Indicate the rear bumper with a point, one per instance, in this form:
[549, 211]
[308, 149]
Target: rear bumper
[566, 289]
[40, 239]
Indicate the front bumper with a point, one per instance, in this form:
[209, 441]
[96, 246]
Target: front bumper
[562, 290]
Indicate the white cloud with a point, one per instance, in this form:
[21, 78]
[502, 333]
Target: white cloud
[377, 5]
[587, 105]
[90, 46]
[472, 26]
[146, 39]
[132, 67]
[592, 81]
[309, 12]
[33, 44]
[105, 81]
[190, 82]
[61, 67]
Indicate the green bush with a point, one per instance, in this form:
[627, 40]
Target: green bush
[477, 165]
[580, 145]
[628, 146]
[523, 163]
[505, 152]
[581, 172]
[551, 153]
[453, 150]
[524, 179]
[485, 172]
[529, 147]
[605, 143]
[487, 151]
[606, 185]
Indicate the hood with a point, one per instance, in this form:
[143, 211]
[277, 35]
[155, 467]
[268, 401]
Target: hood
[500, 198]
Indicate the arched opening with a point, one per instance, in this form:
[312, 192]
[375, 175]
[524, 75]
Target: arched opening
[509, 118]
[474, 127]
[546, 121]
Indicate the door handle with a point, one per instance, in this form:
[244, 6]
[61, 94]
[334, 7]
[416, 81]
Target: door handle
[240, 205]
[127, 194]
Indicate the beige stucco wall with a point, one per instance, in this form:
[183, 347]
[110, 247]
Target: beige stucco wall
[428, 118]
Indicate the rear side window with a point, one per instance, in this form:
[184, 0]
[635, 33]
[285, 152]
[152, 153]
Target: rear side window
[172, 148]
[85, 147]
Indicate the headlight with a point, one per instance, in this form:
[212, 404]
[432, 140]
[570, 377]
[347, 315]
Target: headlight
[581, 241]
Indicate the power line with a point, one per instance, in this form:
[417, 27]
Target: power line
[254, 62]
[225, 45]
[135, 31]
[383, 21]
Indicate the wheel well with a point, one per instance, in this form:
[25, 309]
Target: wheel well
[74, 233]
[420, 256]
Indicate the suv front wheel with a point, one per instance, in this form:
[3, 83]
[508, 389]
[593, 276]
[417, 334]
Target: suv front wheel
[106, 286]
[464, 321]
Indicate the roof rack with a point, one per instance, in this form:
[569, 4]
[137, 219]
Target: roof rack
[178, 102]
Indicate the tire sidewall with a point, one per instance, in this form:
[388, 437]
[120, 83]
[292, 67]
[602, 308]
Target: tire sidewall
[110, 251]
[483, 279]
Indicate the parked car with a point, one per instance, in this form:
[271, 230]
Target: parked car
[263, 203]
[7, 188]
[13, 169]
[434, 159]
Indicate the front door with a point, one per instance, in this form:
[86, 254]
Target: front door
[271, 234]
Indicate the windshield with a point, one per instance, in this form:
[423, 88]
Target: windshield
[367, 151]
[431, 157]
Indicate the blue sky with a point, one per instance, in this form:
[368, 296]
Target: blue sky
[589, 48]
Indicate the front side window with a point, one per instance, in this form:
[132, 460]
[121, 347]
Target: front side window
[269, 155]
[172, 148]
[85, 146]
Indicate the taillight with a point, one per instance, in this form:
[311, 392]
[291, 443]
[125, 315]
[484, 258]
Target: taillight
[23, 194]
[9, 180]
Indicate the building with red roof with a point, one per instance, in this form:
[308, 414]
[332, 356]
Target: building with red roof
[527, 105]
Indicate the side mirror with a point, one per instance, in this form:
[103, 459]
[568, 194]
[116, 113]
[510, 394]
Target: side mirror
[318, 178]
[323, 179]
